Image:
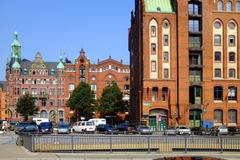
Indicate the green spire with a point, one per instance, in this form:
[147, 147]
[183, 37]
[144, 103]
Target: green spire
[60, 64]
[16, 47]
[16, 65]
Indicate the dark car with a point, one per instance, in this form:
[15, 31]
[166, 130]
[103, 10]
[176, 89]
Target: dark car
[233, 130]
[45, 127]
[125, 128]
[21, 125]
[29, 129]
[106, 129]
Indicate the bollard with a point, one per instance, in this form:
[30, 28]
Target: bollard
[72, 143]
[111, 143]
[185, 144]
[148, 144]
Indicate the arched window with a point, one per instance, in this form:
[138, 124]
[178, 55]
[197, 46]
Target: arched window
[238, 6]
[153, 28]
[52, 115]
[43, 114]
[232, 116]
[220, 5]
[82, 71]
[229, 6]
[218, 93]
[218, 116]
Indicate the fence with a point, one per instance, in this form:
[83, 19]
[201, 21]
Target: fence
[136, 143]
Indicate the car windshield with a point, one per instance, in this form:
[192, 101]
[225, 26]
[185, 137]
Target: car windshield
[45, 124]
[89, 123]
[62, 126]
[30, 127]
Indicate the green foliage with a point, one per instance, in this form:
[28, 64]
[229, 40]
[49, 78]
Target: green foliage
[111, 101]
[26, 106]
[82, 99]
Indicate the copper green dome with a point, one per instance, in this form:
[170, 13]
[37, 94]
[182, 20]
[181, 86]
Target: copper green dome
[60, 64]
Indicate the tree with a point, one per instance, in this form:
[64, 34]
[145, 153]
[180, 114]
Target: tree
[82, 99]
[111, 101]
[26, 106]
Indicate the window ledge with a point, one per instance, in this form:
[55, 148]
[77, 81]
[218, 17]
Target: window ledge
[232, 101]
[217, 101]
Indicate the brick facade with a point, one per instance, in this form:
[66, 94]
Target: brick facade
[191, 98]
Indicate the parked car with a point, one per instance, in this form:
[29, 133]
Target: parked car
[106, 129]
[84, 126]
[233, 130]
[142, 129]
[63, 128]
[21, 125]
[125, 128]
[183, 130]
[220, 130]
[45, 127]
[27, 129]
[170, 131]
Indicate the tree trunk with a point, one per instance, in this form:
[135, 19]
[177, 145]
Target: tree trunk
[25, 118]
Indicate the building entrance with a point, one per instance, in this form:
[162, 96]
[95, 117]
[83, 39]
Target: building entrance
[158, 120]
[195, 118]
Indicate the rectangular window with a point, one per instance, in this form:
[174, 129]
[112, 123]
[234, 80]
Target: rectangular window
[194, 42]
[52, 91]
[165, 40]
[153, 31]
[43, 102]
[217, 40]
[195, 59]
[232, 93]
[193, 25]
[153, 66]
[217, 56]
[166, 73]
[217, 73]
[165, 57]
[153, 48]
[231, 57]
[195, 75]
[231, 40]
[34, 91]
[232, 73]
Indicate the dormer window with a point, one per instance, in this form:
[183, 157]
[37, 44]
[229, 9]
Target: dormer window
[158, 9]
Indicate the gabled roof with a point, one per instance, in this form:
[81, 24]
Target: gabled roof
[159, 6]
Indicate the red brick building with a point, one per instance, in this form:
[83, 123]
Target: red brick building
[185, 65]
[97, 75]
[51, 83]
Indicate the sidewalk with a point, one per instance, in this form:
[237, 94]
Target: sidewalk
[13, 152]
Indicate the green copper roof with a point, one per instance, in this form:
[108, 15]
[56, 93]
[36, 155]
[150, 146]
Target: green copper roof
[161, 6]
[60, 64]
[16, 65]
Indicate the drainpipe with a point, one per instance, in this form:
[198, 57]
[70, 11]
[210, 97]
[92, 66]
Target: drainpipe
[177, 69]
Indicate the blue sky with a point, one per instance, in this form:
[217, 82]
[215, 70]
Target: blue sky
[55, 27]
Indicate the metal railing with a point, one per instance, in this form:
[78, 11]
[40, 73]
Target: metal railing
[129, 143]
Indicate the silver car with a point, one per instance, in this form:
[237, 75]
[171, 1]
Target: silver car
[170, 131]
[143, 130]
[63, 128]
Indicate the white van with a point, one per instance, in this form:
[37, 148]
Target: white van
[98, 121]
[83, 126]
[40, 120]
